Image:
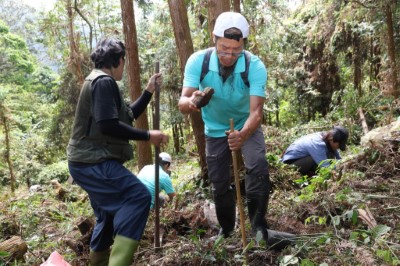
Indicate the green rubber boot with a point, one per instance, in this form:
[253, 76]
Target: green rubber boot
[99, 258]
[122, 251]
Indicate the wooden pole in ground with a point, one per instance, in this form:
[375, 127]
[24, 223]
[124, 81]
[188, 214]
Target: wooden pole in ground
[156, 126]
[238, 196]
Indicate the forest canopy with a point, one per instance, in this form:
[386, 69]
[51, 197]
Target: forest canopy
[331, 62]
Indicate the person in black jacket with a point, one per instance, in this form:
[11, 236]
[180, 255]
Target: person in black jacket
[98, 147]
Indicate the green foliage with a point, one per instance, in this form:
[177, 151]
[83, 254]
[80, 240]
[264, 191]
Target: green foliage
[292, 46]
[316, 220]
[379, 230]
[58, 171]
[44, 81]
[319, 182]
[15, 60]
[38, 216]
[306, 262]
[3, 28]
[218, 254]
[28, 108]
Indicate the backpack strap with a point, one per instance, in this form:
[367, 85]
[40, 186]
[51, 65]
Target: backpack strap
[245, 74]
[206, 63]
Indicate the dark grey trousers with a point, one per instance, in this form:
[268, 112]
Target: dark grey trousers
[219, 159]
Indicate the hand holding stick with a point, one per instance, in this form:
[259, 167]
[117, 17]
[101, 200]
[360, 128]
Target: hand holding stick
[238, 195]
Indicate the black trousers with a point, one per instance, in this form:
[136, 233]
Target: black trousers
[305, 165]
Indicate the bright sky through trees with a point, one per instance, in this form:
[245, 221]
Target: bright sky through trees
[44, 5]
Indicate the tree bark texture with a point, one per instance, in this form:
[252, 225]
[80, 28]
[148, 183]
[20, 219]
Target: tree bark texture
[180, 23]
[132, 67]
[184, 45]
[357, 63]
[15, 246]
[236, 5]
[394, 89]
[214, 8]
[75, 58]
[88, 22]
[4, 122]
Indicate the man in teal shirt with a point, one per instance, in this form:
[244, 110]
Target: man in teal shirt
[147, 177]
[233, 98]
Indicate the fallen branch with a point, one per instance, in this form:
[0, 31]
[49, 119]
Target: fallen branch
[371, 196]
[367, 217]
[15, 246]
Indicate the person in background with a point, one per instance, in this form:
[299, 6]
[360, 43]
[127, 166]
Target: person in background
[147, 176]
[309, 151]
[97, 149]
[243, 102]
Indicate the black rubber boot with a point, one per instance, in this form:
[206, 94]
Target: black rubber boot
[225, 207]
[279, 240]
[257, 207]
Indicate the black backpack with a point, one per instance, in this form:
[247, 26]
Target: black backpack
[206, 62]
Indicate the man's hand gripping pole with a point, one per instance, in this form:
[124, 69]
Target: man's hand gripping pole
[238, 195]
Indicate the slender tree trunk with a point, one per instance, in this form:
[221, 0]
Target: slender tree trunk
[394, 90]
[277, 123]
[175, 133]
[133, 74]
[172, 102]
[88, 23]
[184, 45]
[371, 64]
[4, 122]
[357, 64]
[181, 132]
[216, 7]
[74, 56]
[236, 5]
[181, 28]
[375, 64]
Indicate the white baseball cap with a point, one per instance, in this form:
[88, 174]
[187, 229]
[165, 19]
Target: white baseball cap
[227, 20]
[165, 157]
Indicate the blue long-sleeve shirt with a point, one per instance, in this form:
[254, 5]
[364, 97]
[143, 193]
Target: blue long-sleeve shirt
[310, 145]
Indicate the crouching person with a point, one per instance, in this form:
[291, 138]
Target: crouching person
[311, 150]
[148, 177]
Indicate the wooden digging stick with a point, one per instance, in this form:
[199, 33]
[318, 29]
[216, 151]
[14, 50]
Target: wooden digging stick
[238, 195]
[156, 126]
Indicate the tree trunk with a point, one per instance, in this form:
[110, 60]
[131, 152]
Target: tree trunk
[216, 7]
[133, 75]
[277, 122]
[75, 57]
[394, 90]
[181, 28]
[15, 246]
[4, 122]
[357, 64]
[236, 5]
[175, 134]
[88, 22]
[184, 45]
